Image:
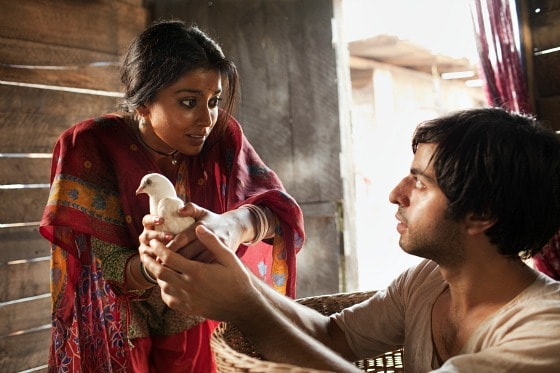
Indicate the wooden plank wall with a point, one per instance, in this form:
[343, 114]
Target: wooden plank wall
[289, 109]
[58, 65]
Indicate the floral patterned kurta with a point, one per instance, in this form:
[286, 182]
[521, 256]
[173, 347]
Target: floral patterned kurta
[93, 219]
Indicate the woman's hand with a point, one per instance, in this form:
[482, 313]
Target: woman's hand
[149, 233]
[231, 228]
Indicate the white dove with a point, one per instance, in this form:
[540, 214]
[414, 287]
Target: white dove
[164, 203]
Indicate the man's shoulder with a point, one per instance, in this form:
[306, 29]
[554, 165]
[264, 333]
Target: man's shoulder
[543, 287]
[422, 278]
[423, 270]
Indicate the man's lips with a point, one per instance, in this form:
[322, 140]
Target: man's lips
[401, 226]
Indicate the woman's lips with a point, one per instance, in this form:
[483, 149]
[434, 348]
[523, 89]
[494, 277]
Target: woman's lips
[196, 139]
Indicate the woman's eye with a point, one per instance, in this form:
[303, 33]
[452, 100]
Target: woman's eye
[214, 102]
[190, 102]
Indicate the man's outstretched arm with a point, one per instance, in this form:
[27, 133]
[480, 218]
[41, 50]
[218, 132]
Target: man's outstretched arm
[280, 329]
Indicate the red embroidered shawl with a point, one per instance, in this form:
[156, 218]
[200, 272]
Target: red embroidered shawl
[97, 166]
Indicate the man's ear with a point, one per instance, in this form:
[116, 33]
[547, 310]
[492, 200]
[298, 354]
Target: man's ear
[478, 223]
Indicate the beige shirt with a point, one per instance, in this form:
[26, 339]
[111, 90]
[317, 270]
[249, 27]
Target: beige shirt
[523, 336]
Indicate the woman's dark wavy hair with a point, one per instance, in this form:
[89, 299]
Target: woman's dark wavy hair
[499, 165]
[165, 51]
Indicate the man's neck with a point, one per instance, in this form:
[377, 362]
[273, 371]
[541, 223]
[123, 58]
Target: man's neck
[496, 280]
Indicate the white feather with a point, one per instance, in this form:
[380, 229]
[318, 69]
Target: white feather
[164, 203]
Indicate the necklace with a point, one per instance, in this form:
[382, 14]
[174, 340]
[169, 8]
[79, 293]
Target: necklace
[170, 154]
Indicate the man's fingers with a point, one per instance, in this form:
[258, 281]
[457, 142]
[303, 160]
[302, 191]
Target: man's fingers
[181, 240]
[151, 262]
[171, 259]
[214, 245]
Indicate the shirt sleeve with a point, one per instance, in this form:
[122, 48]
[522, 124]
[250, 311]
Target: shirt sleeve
[399, 316]
[376, 325]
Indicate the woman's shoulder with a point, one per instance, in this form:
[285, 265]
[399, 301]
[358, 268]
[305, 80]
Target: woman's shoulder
[95, 124]
[232, 127]
[226, 136]
[102, 121]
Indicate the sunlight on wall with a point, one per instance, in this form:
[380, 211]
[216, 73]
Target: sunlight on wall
[443, 26]
[387, 109]
[382, 154]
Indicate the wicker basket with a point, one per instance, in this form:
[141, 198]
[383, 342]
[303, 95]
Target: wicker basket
[234, 353]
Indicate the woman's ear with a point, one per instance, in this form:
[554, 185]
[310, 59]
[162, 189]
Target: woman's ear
[478, 223]
[142, 110]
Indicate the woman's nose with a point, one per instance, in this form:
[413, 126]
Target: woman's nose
[206, 117]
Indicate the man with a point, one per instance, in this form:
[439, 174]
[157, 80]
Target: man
[483, 193]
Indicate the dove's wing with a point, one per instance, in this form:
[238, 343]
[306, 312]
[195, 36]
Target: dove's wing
[173, 223]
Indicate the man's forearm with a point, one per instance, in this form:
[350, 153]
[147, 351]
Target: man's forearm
[283, 331]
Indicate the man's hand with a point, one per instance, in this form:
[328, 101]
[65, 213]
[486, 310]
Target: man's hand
[281, 329]
[212, 290]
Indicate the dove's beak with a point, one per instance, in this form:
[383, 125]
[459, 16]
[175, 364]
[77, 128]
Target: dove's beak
[140, 190]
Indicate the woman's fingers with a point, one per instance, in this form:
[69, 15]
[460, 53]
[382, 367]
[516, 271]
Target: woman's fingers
[147, 235]
[192, 210]
[150, 221]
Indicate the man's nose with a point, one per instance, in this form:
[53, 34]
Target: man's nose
[399, 194]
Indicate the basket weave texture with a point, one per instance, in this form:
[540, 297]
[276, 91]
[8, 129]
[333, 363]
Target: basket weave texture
[234, 353]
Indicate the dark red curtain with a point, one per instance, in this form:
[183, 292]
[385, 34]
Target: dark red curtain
[548, 260]
[496, 31]
[496, 27]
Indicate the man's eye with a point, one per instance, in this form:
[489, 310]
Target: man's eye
[418, 183]
[190, 102]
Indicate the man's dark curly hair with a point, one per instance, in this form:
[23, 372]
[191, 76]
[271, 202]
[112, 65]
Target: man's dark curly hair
[500, 165]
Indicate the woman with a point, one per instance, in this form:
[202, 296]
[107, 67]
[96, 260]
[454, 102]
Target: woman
[107, 311]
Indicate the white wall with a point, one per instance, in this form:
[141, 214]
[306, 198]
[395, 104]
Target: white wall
[388, 103]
